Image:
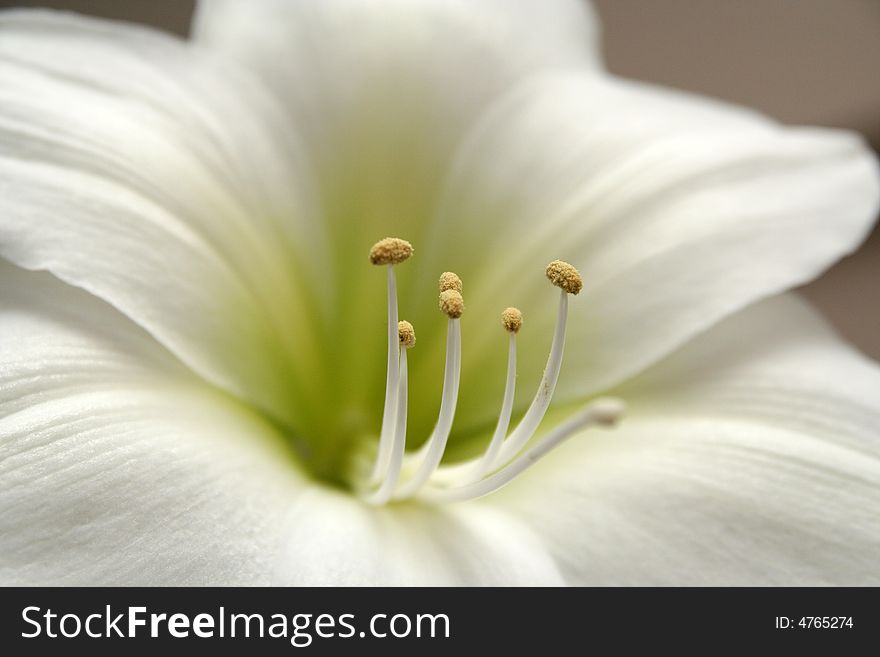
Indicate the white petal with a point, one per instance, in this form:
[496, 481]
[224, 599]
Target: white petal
[382, 92]
[335, 540]
[751, 457]
[118, 467]
[154, 177]
[341, 55]
[677, 210]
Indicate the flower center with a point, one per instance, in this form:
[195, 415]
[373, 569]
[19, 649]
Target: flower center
[395, 474]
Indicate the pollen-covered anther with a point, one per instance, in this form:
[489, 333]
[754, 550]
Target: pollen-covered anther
[451, 303]
[512, 320]
[565, 276]
[406, 334]
[450, 281]
[390, 251]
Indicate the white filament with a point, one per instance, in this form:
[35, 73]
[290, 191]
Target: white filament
[391, 380]
[485, 463]
[436, 444]
[398, 442]
[602, 411]
[530, 421]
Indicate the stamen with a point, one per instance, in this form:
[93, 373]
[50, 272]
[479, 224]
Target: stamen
[504, 458]
[566, 277]
[451, 303]
[432, 453]
[389, 251]
[602, 412]
[512, 320]
[450, 281]
[406, 338]
[406, 334]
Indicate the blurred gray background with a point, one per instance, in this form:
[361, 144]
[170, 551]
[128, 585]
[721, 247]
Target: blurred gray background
[801, 61]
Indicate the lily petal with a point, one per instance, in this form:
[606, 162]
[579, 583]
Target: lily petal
[335, 540]
[547, 32]
[677, 210]
[119, 173]
[751, 457]
[118, 465]
[382, 93]
[352, 60]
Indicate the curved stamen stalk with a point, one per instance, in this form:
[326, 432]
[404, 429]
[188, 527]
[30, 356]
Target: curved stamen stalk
[390, 251]
[452, 305]
[602, 412]
[512, 319]
[541, 402]
[391, 380]
[407, 340]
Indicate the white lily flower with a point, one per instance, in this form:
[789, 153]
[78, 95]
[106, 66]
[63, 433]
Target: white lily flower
[193, 344]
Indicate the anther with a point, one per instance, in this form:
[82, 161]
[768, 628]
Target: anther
[512, 320]
[450, 281]
[451, 303]
[564, 276]
[390, 251]
[406, 334]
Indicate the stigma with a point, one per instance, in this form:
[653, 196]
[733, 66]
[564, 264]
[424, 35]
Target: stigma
[400, 475]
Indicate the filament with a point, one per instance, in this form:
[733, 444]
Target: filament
[436, 444]
[398, 442]
[530, 421]
[485, 463]
[391, 384]
[605, 411]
